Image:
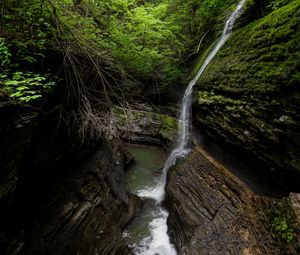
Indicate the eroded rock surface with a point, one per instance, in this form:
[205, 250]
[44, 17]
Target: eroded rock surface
[249, 95]
[146, 127]
[57, 195]
[295, 203]
[213, 212]
[83, 213]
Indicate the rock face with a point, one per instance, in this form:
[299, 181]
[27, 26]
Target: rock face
[16, 126]
[84, 213]
[213, 212]
[249, 94]
[146, 127]
[61, 198]
[295, 204]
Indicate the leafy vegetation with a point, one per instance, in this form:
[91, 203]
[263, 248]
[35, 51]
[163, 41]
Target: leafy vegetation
[26, 87]
[22, 86]
[4, 53]
[283, 222]
[106, 51]
[144, 39]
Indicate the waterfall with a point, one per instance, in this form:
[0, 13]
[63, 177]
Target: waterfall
[184, 122]
[182, 148]
[158, 242]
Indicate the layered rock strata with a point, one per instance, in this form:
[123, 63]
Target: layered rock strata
[57, 196]
[213, 212]
[146, 127]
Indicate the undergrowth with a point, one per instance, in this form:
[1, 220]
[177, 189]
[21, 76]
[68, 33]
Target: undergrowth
[283, 223]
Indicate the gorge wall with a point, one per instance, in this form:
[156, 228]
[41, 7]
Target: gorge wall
[57, 196]
[249, 94]
[248, 98]
[214, 212]
[61, 196]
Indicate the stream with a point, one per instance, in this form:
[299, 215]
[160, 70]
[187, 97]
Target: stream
[147, 235]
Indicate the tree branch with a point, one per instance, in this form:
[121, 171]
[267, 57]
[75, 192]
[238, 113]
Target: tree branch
[199, 45]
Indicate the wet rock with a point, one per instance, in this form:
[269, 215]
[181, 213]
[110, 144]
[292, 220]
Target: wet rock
[128, 159]
[146, 127]
[276, 143]
[249, 95]
[16, 126]
[57, 195]
[84, 212]
[213, 212]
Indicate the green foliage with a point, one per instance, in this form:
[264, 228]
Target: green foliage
[248, 4]
[275, 4]
[27, 27]
[5, 54]
[145, 42]
[26, 86]
[283, 222]
[131, 39]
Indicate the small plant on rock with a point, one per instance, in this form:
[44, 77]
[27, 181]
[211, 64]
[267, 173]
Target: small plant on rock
[283, 222]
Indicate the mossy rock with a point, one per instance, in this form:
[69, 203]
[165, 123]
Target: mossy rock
[249, 95]
[262, 57]
[144, 123]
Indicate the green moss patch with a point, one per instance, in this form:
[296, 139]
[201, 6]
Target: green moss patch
[260, 58]
[156, 124]
[283, 223]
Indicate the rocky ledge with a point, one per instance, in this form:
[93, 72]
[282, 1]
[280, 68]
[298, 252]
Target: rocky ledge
[146, 127]
[214, 212]
[84, 212]
[57, 195]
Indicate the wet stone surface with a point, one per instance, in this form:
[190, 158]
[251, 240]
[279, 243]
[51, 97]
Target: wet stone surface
[213, 212]
[81, 210]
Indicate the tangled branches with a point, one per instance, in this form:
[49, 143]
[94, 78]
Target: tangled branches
[92, 88]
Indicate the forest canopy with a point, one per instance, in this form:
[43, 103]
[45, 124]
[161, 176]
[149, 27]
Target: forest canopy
[146, 40]
[100, 53]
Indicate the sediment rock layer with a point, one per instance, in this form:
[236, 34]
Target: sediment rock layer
[62, 198]
[213, 212]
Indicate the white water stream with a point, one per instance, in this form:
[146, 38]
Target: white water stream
[158, 242]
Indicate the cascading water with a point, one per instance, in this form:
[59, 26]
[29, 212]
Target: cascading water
[158, 242]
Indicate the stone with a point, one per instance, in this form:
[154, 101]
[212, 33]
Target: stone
[211, 211]
[146, 127]
[84, 212]
[295, 203]
[57, 194]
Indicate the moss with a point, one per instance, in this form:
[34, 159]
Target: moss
[200, 60]
[254, 82]
[262, 57]
[167, 124]
[168, 120]
[283, 223]
[205, 97]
